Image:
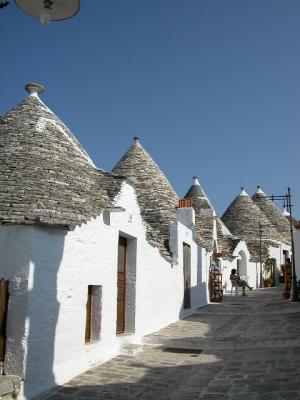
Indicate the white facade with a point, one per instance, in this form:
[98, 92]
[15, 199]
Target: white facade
[63, 309]
[277, 253]
[297, 250]
[241, 262]
[49, 271]
[250, 270]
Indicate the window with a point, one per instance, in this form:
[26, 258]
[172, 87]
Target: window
[93, 313]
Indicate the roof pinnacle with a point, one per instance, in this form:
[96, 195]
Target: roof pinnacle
[196, 180]
[259, 191]
[243, 192]
[136, 140]
[34, 89]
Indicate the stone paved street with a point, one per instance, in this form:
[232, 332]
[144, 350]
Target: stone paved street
[244, 348]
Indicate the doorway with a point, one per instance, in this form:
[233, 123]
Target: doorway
[121, 297]
[187, 276]
[126, 284]
[242, 265]
[3, 316]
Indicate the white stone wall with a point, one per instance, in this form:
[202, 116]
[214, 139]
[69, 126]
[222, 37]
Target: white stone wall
[252, 268]
[277, 254]
[183, 231]
[203, 271]
[297, 252]
[50, 270]
[15, 250]
[248, 268]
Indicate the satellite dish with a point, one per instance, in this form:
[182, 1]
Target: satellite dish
[49, 10]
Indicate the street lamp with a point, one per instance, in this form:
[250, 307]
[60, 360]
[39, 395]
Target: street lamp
[49, 10]
[260, 229]
[287, 201]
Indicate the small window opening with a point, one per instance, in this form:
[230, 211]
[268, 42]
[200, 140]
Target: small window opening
[93, 313]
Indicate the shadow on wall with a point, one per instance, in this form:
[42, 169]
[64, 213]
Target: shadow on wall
[43, 310]
[202, 278]
[198, 293]
[195, 294]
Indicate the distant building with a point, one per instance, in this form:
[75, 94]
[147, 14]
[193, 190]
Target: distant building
[297, 249]
[222, 249]
[248, 219]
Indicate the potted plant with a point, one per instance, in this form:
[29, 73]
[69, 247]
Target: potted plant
[268, 282]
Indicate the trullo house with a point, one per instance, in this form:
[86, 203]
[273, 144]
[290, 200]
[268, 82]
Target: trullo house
[92, 260]
[248, 219]
[223, 250]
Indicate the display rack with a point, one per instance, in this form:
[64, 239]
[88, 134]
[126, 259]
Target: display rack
[215, 286]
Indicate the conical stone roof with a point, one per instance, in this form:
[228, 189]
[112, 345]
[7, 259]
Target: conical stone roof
[204, 221]
[204, 215]
[243, 217]
[274, 215]
[46, 177]
[156, 197]
[226, 241]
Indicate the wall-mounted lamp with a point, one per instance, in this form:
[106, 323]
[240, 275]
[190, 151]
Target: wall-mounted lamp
[4, 4]
[49, 10]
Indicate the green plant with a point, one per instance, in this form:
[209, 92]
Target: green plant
[268, 268]
[268, 282]
[268, 271]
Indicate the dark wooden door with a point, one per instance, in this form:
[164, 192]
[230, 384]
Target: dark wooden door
[187, 275]
[88, 323]
[122, 254]
[3, 316]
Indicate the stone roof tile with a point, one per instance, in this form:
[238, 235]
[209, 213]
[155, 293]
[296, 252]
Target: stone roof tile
[243, 217]
[46, 177]
[204, 221]
[274, 215]
[156, 197]
[204, 215]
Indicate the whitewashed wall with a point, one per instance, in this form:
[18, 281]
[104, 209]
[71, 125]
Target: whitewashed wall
[50, 270]
[277, 254]
[253, 268]
[249, 269]
[297, 252]
[15, 250]
[183, 231]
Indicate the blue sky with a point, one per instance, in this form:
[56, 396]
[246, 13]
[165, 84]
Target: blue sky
[212, 87]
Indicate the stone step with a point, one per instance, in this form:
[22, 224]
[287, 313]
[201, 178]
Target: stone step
[9, 386]
[130, 349]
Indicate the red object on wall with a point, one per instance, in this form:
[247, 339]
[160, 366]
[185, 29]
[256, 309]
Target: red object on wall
[184, 203]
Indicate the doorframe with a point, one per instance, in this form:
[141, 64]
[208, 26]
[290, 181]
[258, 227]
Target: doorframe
[130, 283]
[4, 295]
[187, 292]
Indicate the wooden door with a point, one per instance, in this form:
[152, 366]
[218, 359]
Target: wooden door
[187, 275]
[88, 323]
[3, 316]
[122, 254]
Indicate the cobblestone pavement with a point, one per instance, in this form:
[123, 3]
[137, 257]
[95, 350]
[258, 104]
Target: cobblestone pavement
[245, 347]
